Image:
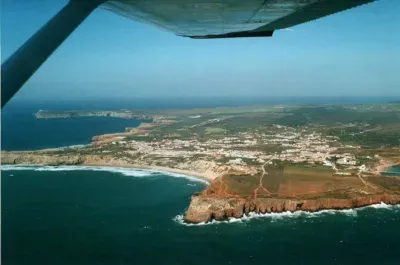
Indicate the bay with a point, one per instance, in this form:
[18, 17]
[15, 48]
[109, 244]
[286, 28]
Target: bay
[82, 216]
[21, 130]
[392, 171]
[100, 217]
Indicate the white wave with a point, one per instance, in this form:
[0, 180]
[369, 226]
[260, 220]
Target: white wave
[75, 146]
[288, 214]
[349, 212]
[132, 172]
[180, 219]
[381, 205]
[177, 175]
[10, 167]
[244, 218]
[120, 170]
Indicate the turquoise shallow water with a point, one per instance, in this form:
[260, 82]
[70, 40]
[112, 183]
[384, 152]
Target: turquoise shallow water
[53, 216]
[392, 171]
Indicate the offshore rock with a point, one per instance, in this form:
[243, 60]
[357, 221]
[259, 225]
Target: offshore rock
[205, 209]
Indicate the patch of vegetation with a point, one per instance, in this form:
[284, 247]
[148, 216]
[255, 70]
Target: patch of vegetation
[331, 115]
[371, 139]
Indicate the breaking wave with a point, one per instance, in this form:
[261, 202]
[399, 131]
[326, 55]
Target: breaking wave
[74, 146]
[132, 172]
[284, 215]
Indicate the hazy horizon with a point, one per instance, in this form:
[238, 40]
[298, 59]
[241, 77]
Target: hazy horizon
[33, 105]
[350, 54]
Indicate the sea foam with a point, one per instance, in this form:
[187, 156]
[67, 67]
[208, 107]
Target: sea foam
[287, 215]
[132, 172]
[74, 146]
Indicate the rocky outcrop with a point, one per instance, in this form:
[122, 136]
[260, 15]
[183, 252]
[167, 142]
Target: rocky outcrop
[204, 209]
[125, 114]
[220, 205]
[26, 158]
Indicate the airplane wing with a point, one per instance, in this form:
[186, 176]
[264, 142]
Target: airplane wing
[201, 19]
[198, 19]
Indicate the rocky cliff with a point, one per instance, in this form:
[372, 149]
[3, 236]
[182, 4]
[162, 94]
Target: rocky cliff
[125, 114]
[205, 209]
[40, 159]
[203, 169]
[35, 158]
[234, 193]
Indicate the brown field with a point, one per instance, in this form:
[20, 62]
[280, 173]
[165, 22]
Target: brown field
[242, 185]
[299, 181]
[388, 183]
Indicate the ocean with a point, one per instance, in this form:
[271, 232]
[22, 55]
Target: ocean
[59, 216]
[392, 171]
[21, 130]
[97, 215]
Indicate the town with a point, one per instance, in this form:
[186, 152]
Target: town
[247, 149]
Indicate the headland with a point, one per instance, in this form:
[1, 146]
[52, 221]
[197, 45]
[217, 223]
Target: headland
[256, 159]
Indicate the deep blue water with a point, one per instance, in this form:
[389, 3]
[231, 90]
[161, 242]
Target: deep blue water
[20, 129]
[58, 216]
[93, 217]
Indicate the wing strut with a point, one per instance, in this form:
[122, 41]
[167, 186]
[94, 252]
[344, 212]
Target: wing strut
[34, 52]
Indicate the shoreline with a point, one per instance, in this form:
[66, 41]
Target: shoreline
[158, 169]
[154, 169]
[201, 208]
[383, 166]
[288, 214]
[204, 209]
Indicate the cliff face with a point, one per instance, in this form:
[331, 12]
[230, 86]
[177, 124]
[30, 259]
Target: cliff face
[15, 158]
[205, 209]
[56, 159]
[200, 168]
[46, 114]
[236, 193]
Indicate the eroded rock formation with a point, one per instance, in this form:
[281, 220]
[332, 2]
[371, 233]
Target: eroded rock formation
[205, 209]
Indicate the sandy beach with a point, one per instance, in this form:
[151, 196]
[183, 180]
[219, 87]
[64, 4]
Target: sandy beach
[384, 165]
[131, 166]
[154, 168]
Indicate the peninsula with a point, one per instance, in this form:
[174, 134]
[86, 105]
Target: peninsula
[126, 114]
[257, 159]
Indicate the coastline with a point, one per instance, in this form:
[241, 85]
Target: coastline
[159, 169]
[215, 202]
[384, 165]
[154, 169]
[289, 214]
[203, 209]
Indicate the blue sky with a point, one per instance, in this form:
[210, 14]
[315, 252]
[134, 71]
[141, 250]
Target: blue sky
[356, 52]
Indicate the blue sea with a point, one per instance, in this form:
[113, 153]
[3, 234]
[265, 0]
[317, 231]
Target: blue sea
[22, 131]
[392, 171]
[96, 215]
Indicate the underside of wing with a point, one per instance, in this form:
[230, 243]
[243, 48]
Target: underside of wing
[227, 18]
